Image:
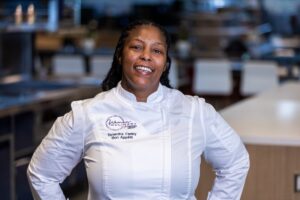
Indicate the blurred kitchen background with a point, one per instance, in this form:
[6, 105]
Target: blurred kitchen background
[53, 52]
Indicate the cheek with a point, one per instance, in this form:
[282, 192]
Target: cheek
[128, 59]
[163, 65]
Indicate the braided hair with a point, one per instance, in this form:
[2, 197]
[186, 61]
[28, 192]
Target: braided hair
[115, 73]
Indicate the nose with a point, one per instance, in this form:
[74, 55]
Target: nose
[146, 56]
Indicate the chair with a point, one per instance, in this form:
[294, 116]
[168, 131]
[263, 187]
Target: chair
[212, 77]
[100, 65]
[66, 65]
[258, 76]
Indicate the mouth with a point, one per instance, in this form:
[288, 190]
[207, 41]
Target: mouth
[143, 69]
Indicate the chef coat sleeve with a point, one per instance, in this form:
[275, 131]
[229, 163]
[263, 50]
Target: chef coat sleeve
[56, 156]
[227, 154]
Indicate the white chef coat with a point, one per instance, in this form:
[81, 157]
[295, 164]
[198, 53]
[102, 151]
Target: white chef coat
[137, 150]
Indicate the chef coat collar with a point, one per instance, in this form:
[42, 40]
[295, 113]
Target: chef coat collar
[155, 97]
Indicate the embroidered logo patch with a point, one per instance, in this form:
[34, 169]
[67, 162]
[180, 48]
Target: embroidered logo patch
[116, 123]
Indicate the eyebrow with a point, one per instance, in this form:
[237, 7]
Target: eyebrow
[156, 43]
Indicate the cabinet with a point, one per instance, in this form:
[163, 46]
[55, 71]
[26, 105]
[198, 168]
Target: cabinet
[22, 127]
[7, 182]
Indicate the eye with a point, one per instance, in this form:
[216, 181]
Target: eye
[158, 51]
[136, 47]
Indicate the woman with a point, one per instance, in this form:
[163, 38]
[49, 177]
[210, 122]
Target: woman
[139, 138]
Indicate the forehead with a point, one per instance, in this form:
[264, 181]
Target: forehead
[147, 32]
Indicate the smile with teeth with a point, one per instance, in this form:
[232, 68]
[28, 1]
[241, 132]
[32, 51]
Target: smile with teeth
[143, 69]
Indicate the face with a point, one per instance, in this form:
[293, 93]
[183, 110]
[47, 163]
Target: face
[143, 60]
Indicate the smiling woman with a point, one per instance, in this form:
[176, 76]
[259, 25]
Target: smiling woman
[139, 138]
[143, 43]
[144, 61]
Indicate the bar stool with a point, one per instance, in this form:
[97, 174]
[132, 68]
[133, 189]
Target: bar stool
[100, 65]
[258, 76]
[65, 65]
[212, 77]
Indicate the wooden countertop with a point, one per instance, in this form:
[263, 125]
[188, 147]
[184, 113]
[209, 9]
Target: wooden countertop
[271, 118]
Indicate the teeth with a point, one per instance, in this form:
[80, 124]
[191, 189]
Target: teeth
[144, 68]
